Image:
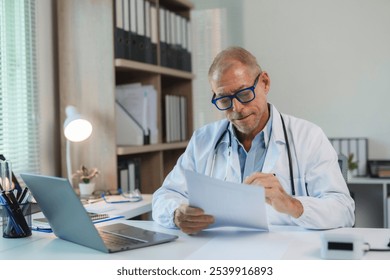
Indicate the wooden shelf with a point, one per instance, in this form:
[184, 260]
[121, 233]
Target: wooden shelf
[177, 4]
[129, 65]
[132, 150]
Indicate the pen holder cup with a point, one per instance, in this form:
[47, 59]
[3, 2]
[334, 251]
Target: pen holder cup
[16, 225]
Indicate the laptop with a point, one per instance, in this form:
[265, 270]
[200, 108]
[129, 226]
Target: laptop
[70, 221]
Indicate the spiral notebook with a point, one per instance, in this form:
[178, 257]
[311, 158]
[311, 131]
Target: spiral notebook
[42, 224]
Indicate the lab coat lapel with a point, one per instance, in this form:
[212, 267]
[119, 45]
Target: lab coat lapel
[234, 172]
[233, 162]
[276, 144]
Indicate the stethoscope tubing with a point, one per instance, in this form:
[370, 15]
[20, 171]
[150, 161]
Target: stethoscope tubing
[226, 131]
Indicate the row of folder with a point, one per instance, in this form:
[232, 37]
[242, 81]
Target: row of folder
[175, 118]
[175, 40]
[136, 114]
[138, 28]
[356, 147]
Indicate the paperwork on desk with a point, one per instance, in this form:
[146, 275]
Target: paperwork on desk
[41, 223]
[231, 204]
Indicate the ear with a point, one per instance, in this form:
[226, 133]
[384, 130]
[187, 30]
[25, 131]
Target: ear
[264, 78]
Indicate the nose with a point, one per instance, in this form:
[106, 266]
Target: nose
[237, 105]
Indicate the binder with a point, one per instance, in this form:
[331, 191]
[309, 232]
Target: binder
[134, 170]
[126, 28]
[147, 35]
[187, 55]
[179, 24]
[129, 174]
[183, 118]
[170, 40]
[119, 45]
[133, 35]
[123, 176]
[167, 119]
[175, 118]
[163, 38]
[153, 31]
[140, 53]
[175, 49]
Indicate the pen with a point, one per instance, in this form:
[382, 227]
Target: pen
[48, 230]
[90, 201]
[23, 195]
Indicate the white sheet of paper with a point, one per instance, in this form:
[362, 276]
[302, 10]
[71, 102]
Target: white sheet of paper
[231, 204]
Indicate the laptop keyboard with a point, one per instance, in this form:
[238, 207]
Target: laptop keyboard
[113, 240]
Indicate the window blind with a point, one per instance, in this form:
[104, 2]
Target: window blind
[19, 134]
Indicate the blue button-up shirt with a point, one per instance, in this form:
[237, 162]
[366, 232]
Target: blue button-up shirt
[253, 160]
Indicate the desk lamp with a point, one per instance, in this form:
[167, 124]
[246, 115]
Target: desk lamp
[76, 129]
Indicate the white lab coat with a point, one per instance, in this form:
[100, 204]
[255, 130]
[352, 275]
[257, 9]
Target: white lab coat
[319, 184]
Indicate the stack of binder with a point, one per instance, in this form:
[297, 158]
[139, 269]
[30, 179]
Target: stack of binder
[136, 114]
[129, 175]
[136, 33]
[175, 40]
[138, 25]
[175, 118]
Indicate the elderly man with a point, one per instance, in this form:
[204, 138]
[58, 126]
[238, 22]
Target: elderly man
[290, 157]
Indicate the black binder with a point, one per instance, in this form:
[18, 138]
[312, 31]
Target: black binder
[119, 32]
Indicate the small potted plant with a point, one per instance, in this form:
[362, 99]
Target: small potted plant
[85, 177]
[352, 165]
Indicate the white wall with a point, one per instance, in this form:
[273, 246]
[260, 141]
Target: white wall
[329, 62]
[213, 30]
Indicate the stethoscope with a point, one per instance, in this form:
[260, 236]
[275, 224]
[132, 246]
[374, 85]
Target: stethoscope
[230, 152]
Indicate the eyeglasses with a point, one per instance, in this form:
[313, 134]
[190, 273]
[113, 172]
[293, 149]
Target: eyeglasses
[245, 95]
[132, 197]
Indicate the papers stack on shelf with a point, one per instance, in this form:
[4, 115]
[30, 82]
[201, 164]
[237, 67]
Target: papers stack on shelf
[136, 114]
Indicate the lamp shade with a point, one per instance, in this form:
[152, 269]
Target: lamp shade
[76, 128]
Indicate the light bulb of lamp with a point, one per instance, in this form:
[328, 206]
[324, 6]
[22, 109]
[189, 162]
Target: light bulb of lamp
[76, 129]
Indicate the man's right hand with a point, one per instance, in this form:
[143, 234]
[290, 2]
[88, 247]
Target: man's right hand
[191, 220]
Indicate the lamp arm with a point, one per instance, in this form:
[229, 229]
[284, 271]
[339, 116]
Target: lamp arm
[68, 162]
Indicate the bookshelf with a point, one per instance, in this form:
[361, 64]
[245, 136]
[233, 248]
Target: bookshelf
[158, 159]
[87, 75]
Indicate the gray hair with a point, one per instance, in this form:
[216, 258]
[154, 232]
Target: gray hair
[226, 58]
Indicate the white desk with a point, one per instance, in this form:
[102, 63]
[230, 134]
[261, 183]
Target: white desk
[371, 198]
[281, 242]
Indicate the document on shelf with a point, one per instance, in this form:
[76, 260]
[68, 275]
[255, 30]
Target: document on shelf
[231, 204]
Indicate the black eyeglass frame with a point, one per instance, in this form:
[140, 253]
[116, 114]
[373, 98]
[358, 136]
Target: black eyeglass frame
[235, 95]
